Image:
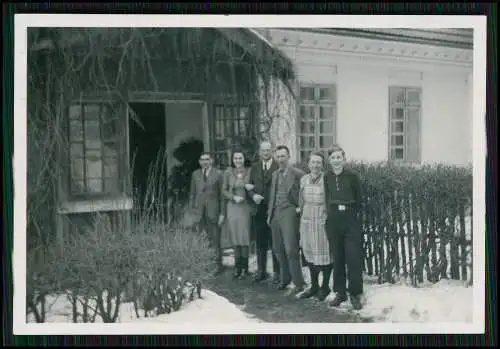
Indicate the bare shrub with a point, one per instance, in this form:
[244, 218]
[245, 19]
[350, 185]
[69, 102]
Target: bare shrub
[97, 265]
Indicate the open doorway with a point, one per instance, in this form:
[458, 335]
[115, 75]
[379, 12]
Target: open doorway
[147, 154]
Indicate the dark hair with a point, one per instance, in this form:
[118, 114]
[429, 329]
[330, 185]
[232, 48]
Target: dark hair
[238, 150]
[283, 147]
[319, 154]
[336, 148]
[205, 153]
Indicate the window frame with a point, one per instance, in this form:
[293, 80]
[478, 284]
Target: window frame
[405, 107]
[317, 103]
[224, 107]
[114, 111]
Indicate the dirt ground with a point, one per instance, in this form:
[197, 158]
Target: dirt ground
[270, 305]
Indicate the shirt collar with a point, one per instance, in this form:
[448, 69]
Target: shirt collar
[267, 163]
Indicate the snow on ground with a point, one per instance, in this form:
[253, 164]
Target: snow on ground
[445, 301]
[211, 308]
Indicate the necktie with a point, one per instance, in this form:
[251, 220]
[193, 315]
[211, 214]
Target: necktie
[205, 174]
[265, 166]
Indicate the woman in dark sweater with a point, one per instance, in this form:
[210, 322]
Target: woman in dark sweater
[343, 199]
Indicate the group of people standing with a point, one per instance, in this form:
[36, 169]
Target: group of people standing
[305, 219]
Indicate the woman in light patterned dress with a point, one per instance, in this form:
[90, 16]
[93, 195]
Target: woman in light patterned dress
[239, 211]
[313, 239]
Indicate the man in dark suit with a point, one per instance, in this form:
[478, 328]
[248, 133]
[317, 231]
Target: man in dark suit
[259, 189]
[284, 220]
[206, 204]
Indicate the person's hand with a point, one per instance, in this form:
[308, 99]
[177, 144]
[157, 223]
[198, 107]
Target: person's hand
[297, 210]
[268, 221]
[221, 220]
[257, 198]
[237, 199]
[249, 186]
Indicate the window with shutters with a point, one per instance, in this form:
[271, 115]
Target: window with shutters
[232, 127]
[317, 119]
[405, 106]
[94, 134]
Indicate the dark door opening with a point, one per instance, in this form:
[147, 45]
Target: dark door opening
[147, 155]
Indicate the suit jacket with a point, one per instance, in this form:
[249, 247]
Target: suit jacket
[261, 180]
[206, 194]
[292, 183]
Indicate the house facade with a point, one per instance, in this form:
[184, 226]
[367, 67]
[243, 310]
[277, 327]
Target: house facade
[383, 94]
[116, 110]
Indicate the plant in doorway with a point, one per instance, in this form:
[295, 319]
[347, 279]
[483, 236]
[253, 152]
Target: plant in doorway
[187, 153]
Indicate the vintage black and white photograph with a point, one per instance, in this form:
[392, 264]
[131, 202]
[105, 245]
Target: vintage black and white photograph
[235, 176]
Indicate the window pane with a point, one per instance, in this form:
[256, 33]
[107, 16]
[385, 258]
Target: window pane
[111, 185]
[325, 142]
[92, 134]
[109, 131]
[111, 167]
[307, 127]
[307, 93]
[92, 112]
[326, 127]
[94, 185]
[307, 142]
[327, 93]
[77, 168]
[75, 130]
[396, 95]
[77, 186]
[75, 112]
[306, 112]
[397, 154]
[76, 150]
[326, 113]
[93, 163]
[397, 140]
[413, 97]
[398, 126]
[304, 155]
[312, 142]
[110, 150]
[397, 113]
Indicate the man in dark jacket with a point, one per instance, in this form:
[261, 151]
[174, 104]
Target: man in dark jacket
[259, 189]
[343, 200]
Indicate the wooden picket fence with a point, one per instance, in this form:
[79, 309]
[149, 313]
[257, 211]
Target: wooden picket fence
[412, 232]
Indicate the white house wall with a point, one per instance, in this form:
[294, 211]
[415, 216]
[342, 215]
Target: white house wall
[363, 69]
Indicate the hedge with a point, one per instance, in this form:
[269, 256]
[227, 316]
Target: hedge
[417, 221]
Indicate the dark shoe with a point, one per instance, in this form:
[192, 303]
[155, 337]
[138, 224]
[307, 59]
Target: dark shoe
[259, 277]
[322, 294]
[276, 279]
[281, 286]
[237, 268]
[243, 274]
[356, 302]
[298, 289]
[309, 293]
[337, 301]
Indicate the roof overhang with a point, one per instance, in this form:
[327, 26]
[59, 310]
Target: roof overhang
[461, 38]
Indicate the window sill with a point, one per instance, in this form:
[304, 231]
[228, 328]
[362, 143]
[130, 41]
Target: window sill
[95, 205]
